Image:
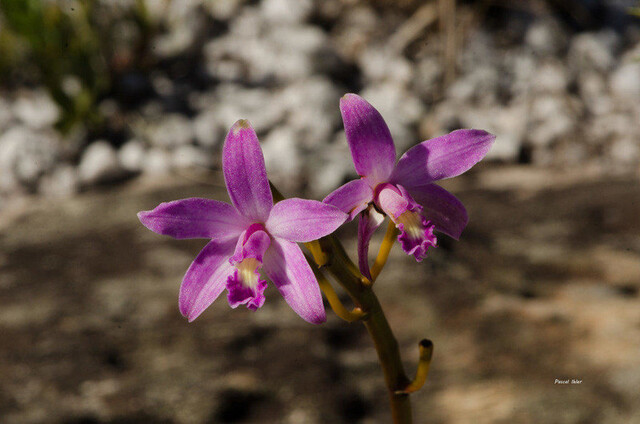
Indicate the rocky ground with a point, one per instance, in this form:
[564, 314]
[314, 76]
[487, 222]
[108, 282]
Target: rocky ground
[558, 88]
[542, 286]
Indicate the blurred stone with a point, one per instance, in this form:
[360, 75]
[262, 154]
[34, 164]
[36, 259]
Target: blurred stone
[131, 155]
[157, 162]
[207, 129]
[546, 37]
[62, 182]
[379, 64]
[6, 115]
[625, 151]
[286, 11]
[99, 163]
[550, 77]
[625, 82]
[331, 167]
[593, 51]
[282, 158]
[25, 155]
[223, 10]
[593, 90]
[191, 157]
[36, 109]
[172, 131]
[550, 119]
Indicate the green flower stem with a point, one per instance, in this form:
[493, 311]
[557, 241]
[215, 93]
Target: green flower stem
[345, 272]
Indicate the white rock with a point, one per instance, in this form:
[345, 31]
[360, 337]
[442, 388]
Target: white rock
[550, 120]
[191, 157]
[593, 51]
[61, 183]
[36, 109]
[331, 167]
[625, 151]
[172, 131]
[282, 158]
[545, 37]
[286, 11]
[99, 163]
[625, 82]
[157, 162]
[25, 155]
[550, 77]
[131, 155]
[208, 129]
[378, 64]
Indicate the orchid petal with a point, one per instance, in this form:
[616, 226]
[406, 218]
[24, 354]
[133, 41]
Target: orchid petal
[206, 278]
[245, 174]
[370, 142]
[351, 198]
[194, 218]
[392, 202]
[287, 267]
[302, 220]
[442, 208]
[442, 157]
[368, 223]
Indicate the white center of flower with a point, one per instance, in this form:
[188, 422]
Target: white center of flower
[412, 223]
[247, 272]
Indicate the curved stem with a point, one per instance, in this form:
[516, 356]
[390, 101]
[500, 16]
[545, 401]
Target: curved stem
[335, 303]
[426, 352]
[385, 248]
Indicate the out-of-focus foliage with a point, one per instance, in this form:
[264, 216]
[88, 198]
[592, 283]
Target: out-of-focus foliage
[71, 48]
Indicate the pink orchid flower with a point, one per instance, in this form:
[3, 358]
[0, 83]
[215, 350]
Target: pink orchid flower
[247, 236]
[404, 190]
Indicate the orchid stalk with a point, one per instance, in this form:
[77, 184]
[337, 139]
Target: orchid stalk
[253, 236]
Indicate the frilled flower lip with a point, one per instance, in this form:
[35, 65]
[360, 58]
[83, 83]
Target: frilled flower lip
[233, 229]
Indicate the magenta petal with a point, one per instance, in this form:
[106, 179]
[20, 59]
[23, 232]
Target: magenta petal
[302, 220]
[351, 198]
[441, 157]
[194, 218]
[370, 142]
[245, 174]
[368, 223]
[206, 278]
[442, 208]
[287, 267]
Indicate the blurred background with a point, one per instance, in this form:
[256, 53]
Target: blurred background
[108, 107]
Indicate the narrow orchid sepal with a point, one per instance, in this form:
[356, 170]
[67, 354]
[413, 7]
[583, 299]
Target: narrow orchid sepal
[194, 218]
[302, 220]
[369, 138]
[245, 174]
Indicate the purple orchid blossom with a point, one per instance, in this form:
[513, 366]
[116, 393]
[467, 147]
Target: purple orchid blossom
[404, 191]
[250, 235]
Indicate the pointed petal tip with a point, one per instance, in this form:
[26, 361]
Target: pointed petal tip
[240, 124]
